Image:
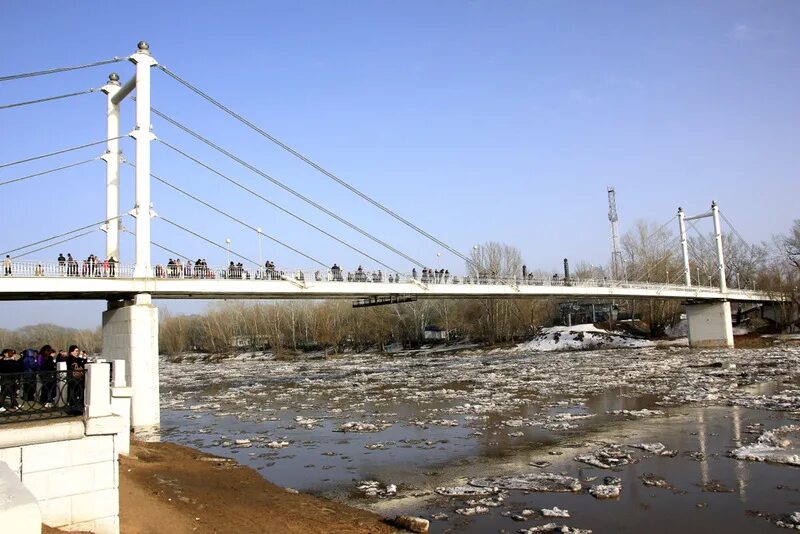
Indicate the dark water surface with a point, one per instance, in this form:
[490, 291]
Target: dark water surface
[453, 418]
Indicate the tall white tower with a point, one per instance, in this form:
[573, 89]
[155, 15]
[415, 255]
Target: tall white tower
[617, 267]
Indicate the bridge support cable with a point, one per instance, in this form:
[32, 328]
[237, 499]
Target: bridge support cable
[207, 240]
[273, 204]
[285, 187]
[54, 244]
[236, 219]
[59, 152]
[42, 173]
[162, 247]
[315, 165]
[668, 255]
[733, 228]
[46, 99]
[60, 69]
[97, 224]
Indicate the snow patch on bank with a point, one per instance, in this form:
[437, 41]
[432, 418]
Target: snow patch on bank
[580, 337]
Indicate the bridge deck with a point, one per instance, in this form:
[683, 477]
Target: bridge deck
[26, 287]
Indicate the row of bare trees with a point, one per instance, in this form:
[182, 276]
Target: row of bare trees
[35, 336]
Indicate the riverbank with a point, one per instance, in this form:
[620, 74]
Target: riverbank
[171, 488]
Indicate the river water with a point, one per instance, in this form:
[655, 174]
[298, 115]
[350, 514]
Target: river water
[441, 421]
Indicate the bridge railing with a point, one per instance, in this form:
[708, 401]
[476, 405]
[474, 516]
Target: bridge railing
[74, 268]
[87, 269]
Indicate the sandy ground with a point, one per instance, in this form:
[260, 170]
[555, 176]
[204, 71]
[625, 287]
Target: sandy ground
[170, 488]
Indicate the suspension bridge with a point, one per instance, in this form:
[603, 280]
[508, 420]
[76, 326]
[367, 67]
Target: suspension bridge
[130, 324]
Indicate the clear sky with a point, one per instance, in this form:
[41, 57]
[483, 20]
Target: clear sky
[477, 120]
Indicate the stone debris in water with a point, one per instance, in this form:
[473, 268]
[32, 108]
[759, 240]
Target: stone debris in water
[491, 502]
[242, 442]
[644, 412]
[355, 426]
[440, 517]
[554, 512]
[606, 458]
[306, 422]
[530, 482]
[412, 524]
[774, 446]
[653, 480]
[552, 527]
[540, 465]
[373, 488]
[477, 510]
[605, 491]
[278, 444]
[466, 491]
[658, 449]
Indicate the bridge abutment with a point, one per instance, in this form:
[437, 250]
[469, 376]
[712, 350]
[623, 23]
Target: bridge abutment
[130, 333]
[709, 324]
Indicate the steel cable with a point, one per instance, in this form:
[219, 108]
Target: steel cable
[104, 221]
[173, 223]
[273, 204]
[54, 244]
[21, 178]
[59, 69]
[46, 99]
[58, 152]
[236, 219]
[284, 186]
[315, 165]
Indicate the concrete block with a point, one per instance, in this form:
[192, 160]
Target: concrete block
[12, 457]
[19, 510]
[89, 506]
[94, 449]
[709, 324]
[70, 481]
[20, 434]
[104, 525]
[110, 424]
[56, 512]
[46, 456]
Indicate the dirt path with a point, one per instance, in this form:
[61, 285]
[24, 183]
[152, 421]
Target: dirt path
[170, 488]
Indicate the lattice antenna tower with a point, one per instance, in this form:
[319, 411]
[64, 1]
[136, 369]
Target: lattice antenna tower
[617, 268]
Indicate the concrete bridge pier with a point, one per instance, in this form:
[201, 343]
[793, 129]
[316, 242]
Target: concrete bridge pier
[130, 333]
[709, 324]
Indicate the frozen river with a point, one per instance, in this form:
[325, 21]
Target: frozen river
[481, 442]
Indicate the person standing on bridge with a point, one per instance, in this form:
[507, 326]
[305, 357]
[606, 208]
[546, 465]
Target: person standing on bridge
[62, 264]
[7, 266]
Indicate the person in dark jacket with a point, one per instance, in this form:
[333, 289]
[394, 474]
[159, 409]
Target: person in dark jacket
[47, 366]
[29, 363]
[9, 369]
[75, 379]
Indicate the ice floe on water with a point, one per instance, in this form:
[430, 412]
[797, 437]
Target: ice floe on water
[553, 527]
[780, 445]
[320, 424]
[580, 337]
[530, 482]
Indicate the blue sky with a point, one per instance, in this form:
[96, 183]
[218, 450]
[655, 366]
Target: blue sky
[478, 121]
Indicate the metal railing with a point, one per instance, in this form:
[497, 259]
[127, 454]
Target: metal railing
[40, 395]
[74, 269]
[85, 269]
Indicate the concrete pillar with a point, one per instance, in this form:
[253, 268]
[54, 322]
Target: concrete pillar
[130, 333]
[98, 392]
[709, 324]
[112, 159]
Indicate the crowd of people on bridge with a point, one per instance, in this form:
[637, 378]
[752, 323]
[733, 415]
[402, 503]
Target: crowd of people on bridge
[29, 380]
